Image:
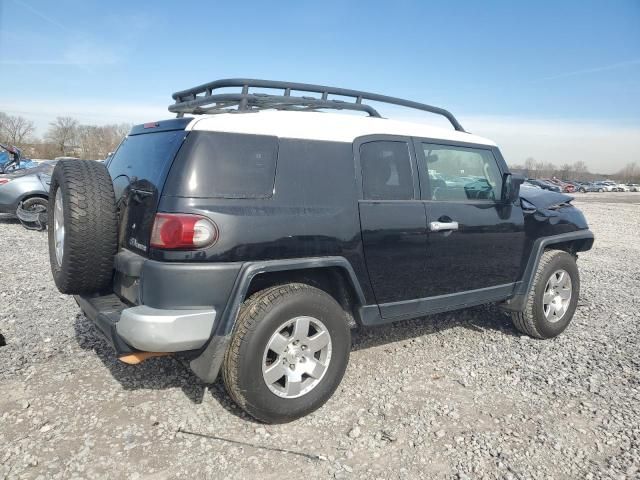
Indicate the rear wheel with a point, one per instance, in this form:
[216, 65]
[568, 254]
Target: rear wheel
[582, 190]
[83, 226]
[35, 209]
[288, 354]
[553, 297]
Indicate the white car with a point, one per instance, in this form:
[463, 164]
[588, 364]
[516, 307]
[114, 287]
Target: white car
[620, 187]
[604, 187]
[633, 187]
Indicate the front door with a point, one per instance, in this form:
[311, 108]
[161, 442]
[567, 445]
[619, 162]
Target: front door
[475, 238]
[392, 219]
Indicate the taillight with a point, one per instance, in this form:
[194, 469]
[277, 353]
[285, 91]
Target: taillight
[177, 231]
[4, 180]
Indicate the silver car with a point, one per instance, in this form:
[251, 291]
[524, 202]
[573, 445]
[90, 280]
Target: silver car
[25, 193]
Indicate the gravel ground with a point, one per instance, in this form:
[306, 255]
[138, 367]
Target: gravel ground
[459, 395]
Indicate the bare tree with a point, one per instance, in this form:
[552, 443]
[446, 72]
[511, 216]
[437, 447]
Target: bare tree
[580, 170]
[63, 133]
[15, 129]
[630, 173]
[95, 142]
[566, 171]
[530, 167]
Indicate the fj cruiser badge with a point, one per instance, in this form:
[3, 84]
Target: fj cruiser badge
[135, 243]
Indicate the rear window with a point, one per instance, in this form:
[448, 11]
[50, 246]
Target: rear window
[146, 157]
[224, 165]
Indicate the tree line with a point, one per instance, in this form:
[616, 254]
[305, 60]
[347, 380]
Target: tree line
[574, 171]
[64, 137]
[68, 137]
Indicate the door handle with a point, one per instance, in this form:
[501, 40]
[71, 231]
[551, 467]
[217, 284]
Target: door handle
[442, 226]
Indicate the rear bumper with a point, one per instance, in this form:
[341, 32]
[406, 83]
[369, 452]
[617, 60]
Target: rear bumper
[155, 330]
[142, 328]
[166, 307]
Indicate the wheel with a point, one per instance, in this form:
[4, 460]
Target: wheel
[35, 209]
[600, 190]
[82, 226]
[288, 354]
[582, 190]
[553, 297]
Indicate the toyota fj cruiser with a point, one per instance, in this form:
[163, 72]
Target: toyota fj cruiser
[250, 237]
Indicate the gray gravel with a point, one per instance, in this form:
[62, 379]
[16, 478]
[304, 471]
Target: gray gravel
[459, 395]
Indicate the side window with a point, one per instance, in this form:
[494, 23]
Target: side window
[224, 165]
[386, 171]
[461, 174]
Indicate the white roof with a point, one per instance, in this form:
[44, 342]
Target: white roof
[337, 127]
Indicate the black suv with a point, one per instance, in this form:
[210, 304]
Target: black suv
[251, 237]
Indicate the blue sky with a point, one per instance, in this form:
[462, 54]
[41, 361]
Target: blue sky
[523, 73]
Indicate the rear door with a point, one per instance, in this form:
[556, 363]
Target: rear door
[392, 218]
[475, 239]
[139, 169]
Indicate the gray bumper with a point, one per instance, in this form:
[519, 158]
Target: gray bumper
[158, 330]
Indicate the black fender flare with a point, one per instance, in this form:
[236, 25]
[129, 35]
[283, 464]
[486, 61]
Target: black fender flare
[523, 287]
[207, 364]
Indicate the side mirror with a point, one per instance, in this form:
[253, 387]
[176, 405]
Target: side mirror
[511, 187]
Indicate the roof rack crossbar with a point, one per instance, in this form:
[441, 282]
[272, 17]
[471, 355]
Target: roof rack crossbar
[203, 99]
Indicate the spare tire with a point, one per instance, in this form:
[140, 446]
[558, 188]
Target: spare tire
[82, 222]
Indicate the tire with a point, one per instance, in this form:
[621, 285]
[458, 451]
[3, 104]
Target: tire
[582, 190]
[34, 202]
[84, 262]
[32, 205]
[260, 319]
[532, 321]
[600, 190]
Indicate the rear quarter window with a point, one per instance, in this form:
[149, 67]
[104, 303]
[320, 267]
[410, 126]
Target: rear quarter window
[146, 157]
[224, 165]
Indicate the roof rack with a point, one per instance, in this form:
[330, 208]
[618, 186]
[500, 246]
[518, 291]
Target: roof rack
[203, 99]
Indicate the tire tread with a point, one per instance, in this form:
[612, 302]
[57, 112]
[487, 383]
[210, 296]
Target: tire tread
[90, 226]
[524, 321]
[248, 319]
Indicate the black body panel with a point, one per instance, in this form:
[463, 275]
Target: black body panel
[312, 213]
[316, 217]
[486, 251]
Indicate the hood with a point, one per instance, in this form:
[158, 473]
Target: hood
[46, 168]
[543, 198]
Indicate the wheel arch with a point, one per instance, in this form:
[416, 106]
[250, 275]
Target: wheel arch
[268, 273]
[335, 275]
[27, 195]
[571, 242]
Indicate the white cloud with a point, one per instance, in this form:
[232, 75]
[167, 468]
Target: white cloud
[97, 112]
[79, 53]
[604, 146]
[586, 71]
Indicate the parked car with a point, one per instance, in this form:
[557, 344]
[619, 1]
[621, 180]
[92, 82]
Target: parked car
[603, 186]
[11, 160]
[584, 187]
[620, 187]
[24, 193]
[564, 187]
[250, 243]
[544, 185]
[633, 187]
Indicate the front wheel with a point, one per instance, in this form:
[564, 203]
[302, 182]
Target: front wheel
[553, 297]
[288, 354]
[582, 190]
